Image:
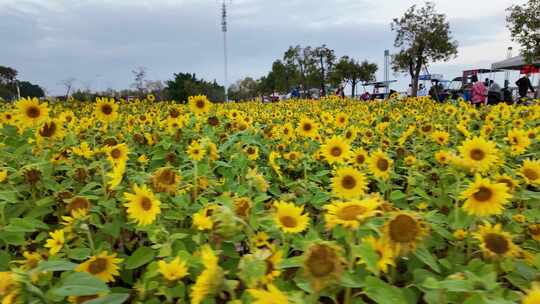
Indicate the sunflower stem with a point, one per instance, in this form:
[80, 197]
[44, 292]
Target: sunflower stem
[195, 187]
[351, 242]
[86, 228]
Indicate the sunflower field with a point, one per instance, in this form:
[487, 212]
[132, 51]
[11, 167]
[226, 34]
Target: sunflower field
[329, 201]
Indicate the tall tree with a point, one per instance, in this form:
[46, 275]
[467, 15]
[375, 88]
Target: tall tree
[7, 75]
[423, 36]
[523, 22]
[324, 60]
[139, 75]
[30, 90]
[302, 60]
[185, 84]
[68, 84]
[352, 72]
[244, 89]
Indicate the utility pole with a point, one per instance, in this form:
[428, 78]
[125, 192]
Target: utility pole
[507, 73]
[386, 70]
[224, 30]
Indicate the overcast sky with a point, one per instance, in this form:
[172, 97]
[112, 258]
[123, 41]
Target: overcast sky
[99, 42]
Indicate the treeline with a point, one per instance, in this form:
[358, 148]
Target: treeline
[9, 84]
[306, 68]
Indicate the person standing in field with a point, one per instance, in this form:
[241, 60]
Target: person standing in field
[524, 84]
[478, 91]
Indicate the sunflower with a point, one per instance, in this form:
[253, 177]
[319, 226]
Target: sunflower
[142, 206]
[202, 220]
[173, 270]
[342, 120]
[534, 231]
[195, 151]
[31, 260]
[307, 127]
[290, 218]
[270, 295]
[478, 154]
[519, 141]
[165, 180]
[349, 183]
[78, 205]
[30, 112]
[51, 129]
[350, 134]
[533, 295]
[103, 266]
[440, 137]
[484, 198]
[56, 241]
[323, 265]
[211, 279]
[252, 152]
[380, 165]
[272, 258]
[494, 242]
[385, 253]
[3, 175]
[199, 104]
[242, 206]
[403, 231]
[359, 157]
[117, 154]
[106, 110]
[530, 171]
[83, 150]
[335, 150]
[410, 160]
[350, 214]
[510, 182]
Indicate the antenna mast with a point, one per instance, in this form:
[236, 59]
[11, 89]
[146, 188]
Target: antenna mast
[224, 30]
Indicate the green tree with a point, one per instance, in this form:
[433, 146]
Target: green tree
[523, 21]
[352, 72]
[30, 90]
[302, 61]
[423, 36]
[245, 89]
[185, 84]
[324, 60]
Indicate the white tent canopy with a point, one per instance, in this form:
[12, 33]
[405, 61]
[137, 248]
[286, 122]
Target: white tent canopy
[514, 63]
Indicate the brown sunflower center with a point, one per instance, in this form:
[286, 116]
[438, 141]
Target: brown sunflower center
[200, 104]
[403, 229]
[84, 299]
[506, 181]
[382, 164]
[496, 243]
[167, 177]
[288, 221]
[360, 159]
[106, 109]
[321, 261]
[530, 174]
[48, 129]
[241, 207]
[335, 151]
[250, 150]
[33, 112]
[477, 154]
[116, 153]
[348, 182]
[78, 203]
[483, 194]
[146, 203]
[307, 127]
[97, 266]
[350, 213]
